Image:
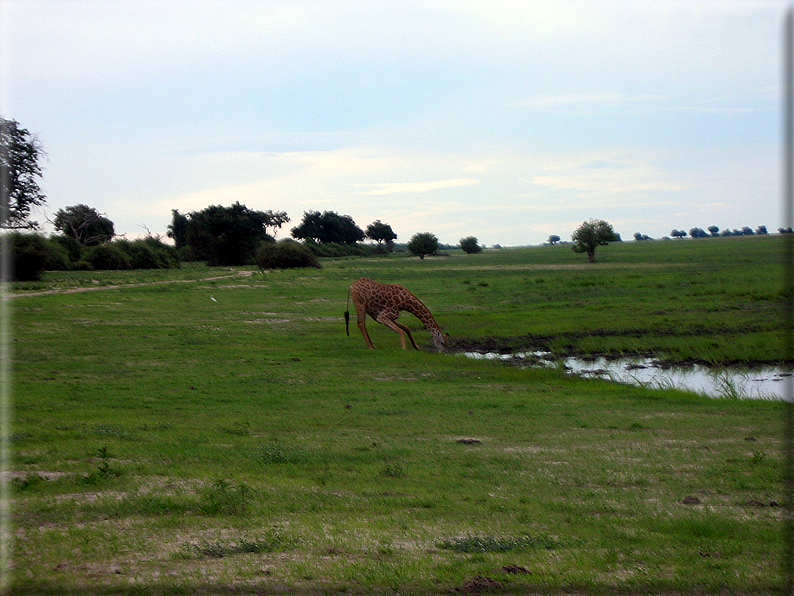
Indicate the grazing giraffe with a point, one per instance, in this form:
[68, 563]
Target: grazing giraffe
[383, 302]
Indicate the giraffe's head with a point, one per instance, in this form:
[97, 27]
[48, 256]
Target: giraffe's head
[439, 341]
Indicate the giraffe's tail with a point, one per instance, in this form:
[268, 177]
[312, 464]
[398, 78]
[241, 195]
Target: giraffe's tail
[347, 314]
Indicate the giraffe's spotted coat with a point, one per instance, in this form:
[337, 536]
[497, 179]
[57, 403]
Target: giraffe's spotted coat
[383, 302]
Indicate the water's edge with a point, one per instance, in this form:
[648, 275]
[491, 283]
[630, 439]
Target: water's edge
[729, 382]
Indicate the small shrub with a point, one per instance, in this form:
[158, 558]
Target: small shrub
[273, 541]
[225, 498]
[82, 266]
[103, 472]
[286, 254]
[393, 469]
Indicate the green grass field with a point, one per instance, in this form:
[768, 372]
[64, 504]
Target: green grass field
[166, 443]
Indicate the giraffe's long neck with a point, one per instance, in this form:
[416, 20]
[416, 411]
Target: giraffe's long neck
[421, 312]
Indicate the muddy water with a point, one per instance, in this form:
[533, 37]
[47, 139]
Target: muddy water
[764, 383]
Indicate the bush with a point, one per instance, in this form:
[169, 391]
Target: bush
[108, 256]
[29, 253]
[333, 249]
[82, 265]
[149, 253]
[286, 254]
[57, 257]
[73, 248]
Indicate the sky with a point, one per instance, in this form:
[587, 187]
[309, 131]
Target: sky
[507, 121]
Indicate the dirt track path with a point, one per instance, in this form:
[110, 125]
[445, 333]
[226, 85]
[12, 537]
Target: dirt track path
[10, 296]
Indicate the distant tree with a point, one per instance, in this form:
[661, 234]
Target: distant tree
[328, 227]
[85, 224]
[698, 233]
[423, 243]
[381, 233]
[592, 234]
[274, 220]
[554, 239]
[227, 235]
[785, 231]
[761, 231]
[469, 245]
[714, 230]
[747, 231]
[726, 232]
[639, 237]
[678, 234]
[20, 152]
[177, 229]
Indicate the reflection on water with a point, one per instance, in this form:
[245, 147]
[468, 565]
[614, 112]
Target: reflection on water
[765, 383]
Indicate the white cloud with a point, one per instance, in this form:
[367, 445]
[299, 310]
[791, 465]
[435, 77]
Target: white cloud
[393, 188]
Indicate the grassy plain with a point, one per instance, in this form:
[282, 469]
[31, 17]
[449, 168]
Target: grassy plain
[167, 443]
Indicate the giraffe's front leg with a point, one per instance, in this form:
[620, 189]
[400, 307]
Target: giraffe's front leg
[391, 324]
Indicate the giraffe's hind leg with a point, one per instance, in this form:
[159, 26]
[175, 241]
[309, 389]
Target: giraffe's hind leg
[361, 322]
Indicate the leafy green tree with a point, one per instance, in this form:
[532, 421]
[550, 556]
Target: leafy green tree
[678, 234]
[328, 227]
[275, 219]
[714, 230]
[20, 152]
[177, 229]
[469, 245]
[423, 243]
[227, 235]
[592, 234]
[380, 233]
[554, 239]
[85, 224]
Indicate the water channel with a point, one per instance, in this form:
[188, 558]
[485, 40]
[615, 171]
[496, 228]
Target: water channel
[763, 383]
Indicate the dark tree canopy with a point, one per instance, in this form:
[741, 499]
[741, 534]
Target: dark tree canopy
[380, 232]
[592, 234]
[469, 245]
[554, 239]
[328, 227]
[226, 235]
[20, 152]
[85, 224]
[177, 229]
[423, 243]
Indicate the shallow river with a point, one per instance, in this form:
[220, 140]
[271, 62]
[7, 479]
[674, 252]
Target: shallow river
[763, 383]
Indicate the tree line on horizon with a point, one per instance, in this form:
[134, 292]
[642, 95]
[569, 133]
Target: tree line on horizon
[234, 235]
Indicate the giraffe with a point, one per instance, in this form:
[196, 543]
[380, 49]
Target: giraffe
[383, 302]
